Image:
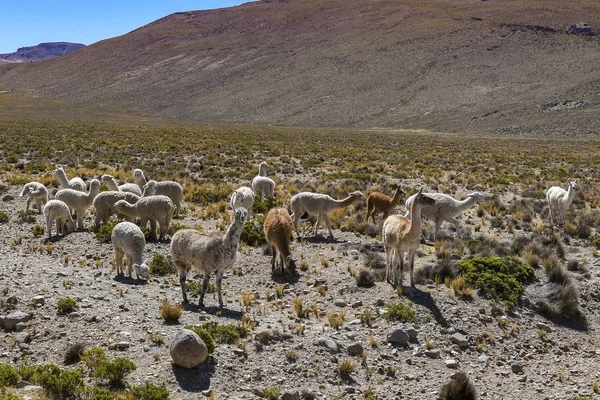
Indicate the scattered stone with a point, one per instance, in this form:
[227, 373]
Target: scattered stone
[239, 352]
[398, 336]
[328, 343]
[74, 315]
[410, 330]
[483, 359]
[355, 349]
[340, 303]
[516, 367]
[8, 197]
[12, 300]
[350, 390]
[581, 28]
[290, 395]
[459, 339]
[187, 349]
[434, 353]
[544, 327]
[451, 363]
[11, 320]
[39, 300]
[357, 304]
[123, 345]
[21, 326]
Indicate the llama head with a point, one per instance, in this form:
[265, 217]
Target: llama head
[573, 184]
[478, 196]
[241, 214]
[142, 271]
[138, 174]
[424, 199]
[358, 196]
[106, 178]
[149, 188]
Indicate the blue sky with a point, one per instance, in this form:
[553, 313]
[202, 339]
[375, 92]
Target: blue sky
[29, 22]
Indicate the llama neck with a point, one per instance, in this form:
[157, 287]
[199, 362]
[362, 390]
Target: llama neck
[344, 202]
[466, 204]
[396, 198]
[62, 178]
[94, 190]
[262, 170]
[232, 236]
[570, 195]
[149, 192]
[112, 185]
[415, 223]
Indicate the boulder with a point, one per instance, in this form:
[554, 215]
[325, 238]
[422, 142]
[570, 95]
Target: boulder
[187, 349]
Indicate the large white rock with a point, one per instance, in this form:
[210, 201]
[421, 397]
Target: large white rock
[187, 349]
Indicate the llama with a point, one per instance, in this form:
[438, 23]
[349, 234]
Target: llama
[37, 194]
[278, 231]
[320, 205]
[171, 189]
[379, 202]
[56, 210]
[76, 183]
[560, 200]
[154, 209]
[242, 197]
[192, 249]
[261, 184]
[401, 234]
[111, 184]
[446, 209]
[129, 242]
[79, 201]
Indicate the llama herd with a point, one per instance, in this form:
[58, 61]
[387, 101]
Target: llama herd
[149, 201]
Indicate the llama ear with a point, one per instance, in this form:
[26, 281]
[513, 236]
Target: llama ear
[420, 190]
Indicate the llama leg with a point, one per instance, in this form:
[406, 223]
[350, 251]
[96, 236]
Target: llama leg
[182, 274]
[437, 228]
[317, 223]
[401, 256]
[274, 254]
[28, 204]
[282, 261]
[119, 260]
[153, 229]
[204, 287]
[296, 219]
[411, 261]
[219, 279]
[550, 212]
[455, 222]
[129, 265]
[49, 227]
[388, 252]
[328, 226]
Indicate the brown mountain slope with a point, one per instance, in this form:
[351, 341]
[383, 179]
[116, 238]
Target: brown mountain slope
[459, 65]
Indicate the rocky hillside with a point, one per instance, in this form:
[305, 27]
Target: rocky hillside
[41, 52]
[457, 65]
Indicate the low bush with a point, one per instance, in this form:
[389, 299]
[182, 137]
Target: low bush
[66, 306]
[206, 337]
[399, 312]
[161, 265]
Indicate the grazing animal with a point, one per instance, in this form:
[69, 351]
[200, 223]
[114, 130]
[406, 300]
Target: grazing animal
[111, 184]
[154, 209]
[76, 183]
[242, 197]
[379, 202]
[37, 194]
[128, 240]
[261, 184]
[56, 210]
[445, 209]
[171, 189]
[560, 200]
[320, 205]
[278, 231]
[80, 201]
[104, 204]
[400, 235]
[192, 249]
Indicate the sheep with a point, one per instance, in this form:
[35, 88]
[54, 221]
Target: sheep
[155, 208]
[261, 184]
[278, 228]
[379, 202]
[104, 204]
[37, 194]
[320, 205]
[171, 189]
[79, 201]
[401, 234]
[76, 183]
[445, 209]
[111, 184]
[560, 200]
[192, 249]
[128, 240]
[242, 197]
[56, 210]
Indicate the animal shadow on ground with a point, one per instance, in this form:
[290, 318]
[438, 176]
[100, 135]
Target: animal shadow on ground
[426, 300]
[318, 239]
[54, 239]
[577, 323]
[277, 277]
[129, 281]
[194, 379]
[213, 310]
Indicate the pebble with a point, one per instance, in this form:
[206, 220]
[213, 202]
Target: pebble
[123, 345]
[328, 343]
[8, 197]
[451, 363]
[39, 300]
[459, 339]
[410, 330]
[355, 349]
[11, 320]
[340, 303]
[434, 353]
[398, 336]
[516, 367]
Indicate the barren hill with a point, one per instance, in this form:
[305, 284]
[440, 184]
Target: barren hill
[453, 65]
[41, 52]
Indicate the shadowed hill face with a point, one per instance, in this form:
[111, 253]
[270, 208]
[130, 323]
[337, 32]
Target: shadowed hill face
[42, 51]
[457, 65]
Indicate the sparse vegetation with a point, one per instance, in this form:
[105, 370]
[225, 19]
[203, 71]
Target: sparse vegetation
[399, 312]
[170, 313]
[66, 306]
[161, 265]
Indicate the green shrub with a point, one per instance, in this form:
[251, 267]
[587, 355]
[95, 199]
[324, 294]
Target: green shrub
[37, 230]
[229, 333]
[93, 393]
[261, 206]
[205, 336]
[176, 227]
[58, 383]
[8, 375]
[271, 393]
[595, 241]
[161, 265]
[66, 306]
[204, 197]
[105, 231]
[7, 394]
[253, 234]
[399, 312]
[94, 358]
[114, 372]
[27, 217]
[73, 353]
[3, 217]
[502, 278]
[365, 278]
[26, 371]
[149, 391]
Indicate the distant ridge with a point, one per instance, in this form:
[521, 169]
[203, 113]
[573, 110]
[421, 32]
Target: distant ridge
[41, 52]
[497, 66]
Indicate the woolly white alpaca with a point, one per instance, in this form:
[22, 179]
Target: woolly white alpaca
[155, 208]
[37, 194]
[401, 234]
[76, 183]
[278, 231]
[171, 189]
[445, 209]
[242, 197]
[111, 184]
[192, 249]
[560, 200]
[79, 201]
[56, 210]
[128, 240]
[261, 185]
[104, 204]
[320, 205]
